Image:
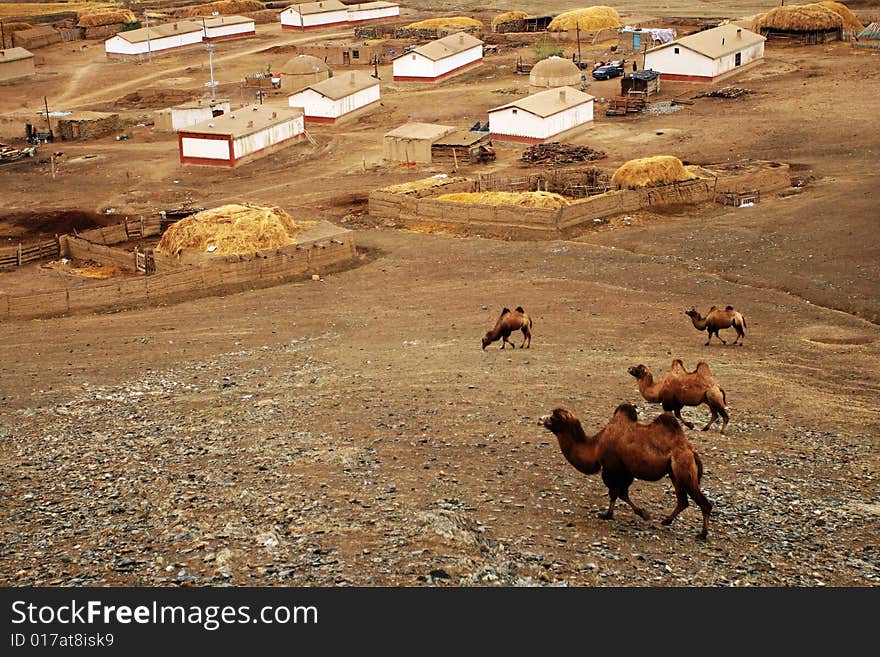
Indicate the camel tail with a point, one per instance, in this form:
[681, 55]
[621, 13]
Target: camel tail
[699, 463]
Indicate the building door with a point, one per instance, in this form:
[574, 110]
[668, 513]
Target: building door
[345, 58]
[637, 40]
[738, 59]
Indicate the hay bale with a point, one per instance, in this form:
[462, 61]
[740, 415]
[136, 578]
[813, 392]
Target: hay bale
[451, 21]
[800, 18]
[9, 28]
[225, 8]
[543, 200]
[850, 22]
[231, 229]
[108, 16]
[650, 171]
[508, 16]
[599, 17]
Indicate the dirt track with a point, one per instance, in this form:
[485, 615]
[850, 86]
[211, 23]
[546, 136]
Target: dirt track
[351, 431]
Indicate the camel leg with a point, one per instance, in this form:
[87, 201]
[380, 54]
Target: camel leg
[725, 418]
[527, 335]
[723, 341]
[609, 514]
[624, 495]
[705, 506]
[689, 425]
[712, 419]
[710, 338]
[681, 501]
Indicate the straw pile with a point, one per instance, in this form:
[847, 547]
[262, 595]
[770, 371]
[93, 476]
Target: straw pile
[96, 271]
[650, 171]
[800, 18]
[9, 28]
[234, 229]
[419, 185]
[508, 16]
[225, 8]
[451, 21]
[544, 200]
[108, 16]
[850, 22]
[590, 18]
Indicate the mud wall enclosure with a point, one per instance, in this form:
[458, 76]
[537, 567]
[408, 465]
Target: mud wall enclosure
[421, 208]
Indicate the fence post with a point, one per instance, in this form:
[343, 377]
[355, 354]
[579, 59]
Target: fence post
[19, 254]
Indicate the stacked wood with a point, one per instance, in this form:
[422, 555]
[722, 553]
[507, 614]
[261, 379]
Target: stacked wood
[559, 153]
[725, 92]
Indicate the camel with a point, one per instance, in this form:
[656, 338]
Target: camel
[718, 319]
[626, 450]
[507, 323]
[681, 388]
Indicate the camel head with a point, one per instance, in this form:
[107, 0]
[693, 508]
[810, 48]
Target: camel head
[558, 420]
[486, 340]
[692, 313]
[639, 371]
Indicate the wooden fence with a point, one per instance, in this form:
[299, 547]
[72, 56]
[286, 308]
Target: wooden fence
[17, 256]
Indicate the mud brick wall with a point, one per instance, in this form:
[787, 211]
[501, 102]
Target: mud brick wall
[88, 129]
[80, 249]
[764, 179]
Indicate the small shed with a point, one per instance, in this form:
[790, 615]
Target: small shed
[88, 125]
[459, 146]
[36, 37]
[220, 28]
[154, 40]
[16, 63]
[439, 59]
[301, 71]
[646, 81]
[187, 114]
[240, 136]
[707, 56]
[554, 72]
[337, 98]
[541, 117]
[314, 15]
[412, 142]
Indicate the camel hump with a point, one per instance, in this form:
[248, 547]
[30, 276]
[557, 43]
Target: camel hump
[666, 421]
[729, 308]
[704, 369]
[627, 411]
[505, 311]
[520, 310]
[713, 308]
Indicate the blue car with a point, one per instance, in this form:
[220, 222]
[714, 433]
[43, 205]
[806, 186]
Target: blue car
[608, 71]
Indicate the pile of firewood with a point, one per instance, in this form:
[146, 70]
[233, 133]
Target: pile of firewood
[558, 153]
[725, 92]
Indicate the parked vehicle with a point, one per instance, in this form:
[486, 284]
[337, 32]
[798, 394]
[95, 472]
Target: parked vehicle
[610, 70]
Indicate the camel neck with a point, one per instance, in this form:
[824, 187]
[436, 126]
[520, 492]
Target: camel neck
[699, 322]
[579, 449]
[650, 391]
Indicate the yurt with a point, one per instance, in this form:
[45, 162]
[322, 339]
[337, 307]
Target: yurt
[301, 71]
[554, 72]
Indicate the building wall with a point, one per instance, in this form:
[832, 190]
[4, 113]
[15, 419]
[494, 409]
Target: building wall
[216, 148]
[359, 15]
[229, 31]
[398, 149]
[270, 136]
[689, 64]
[529, 126]
[748, 55]
[316, 105]
[290, 19]
[17, 69]
[183, 118]
[119, 46]
[414, 65]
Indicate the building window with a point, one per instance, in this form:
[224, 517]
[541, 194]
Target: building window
[738, 59]
[676, 51]
[513, 111]
[356, 54]
[414, 58]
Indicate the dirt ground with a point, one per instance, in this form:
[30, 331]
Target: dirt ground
[351, 431]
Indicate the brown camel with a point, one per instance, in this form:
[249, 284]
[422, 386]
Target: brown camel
[626, 450]
[507, 323]
[681, 388]
[718, 319]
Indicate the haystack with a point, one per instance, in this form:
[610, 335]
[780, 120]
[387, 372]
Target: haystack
[508, 16]
[800, 18]
[850, 22]
[599, 17]
[108, 16]
[9, 28]
[225, 8]
[421, 184]
[543, 200]
[451, 21]
[233, 229]
[650, 171]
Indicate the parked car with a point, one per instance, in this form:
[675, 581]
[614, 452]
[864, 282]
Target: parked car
[608, 71]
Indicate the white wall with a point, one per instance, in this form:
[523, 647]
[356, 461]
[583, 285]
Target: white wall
[355, 15]
[291, 17]
[415, 65]
[314, 104]
[269, 136]
[185, 117]
[525, 124]
[686, 62]
[227, 30]
[119, 46]
[212, 149]
[728, 62]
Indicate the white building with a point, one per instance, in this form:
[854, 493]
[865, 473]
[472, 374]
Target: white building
[336, 98]
[154, 40]
[187, 114]
[371, 11]
[541, 117]
[706, 56]
[314, 15]
[439, 59]
[217, 28]
[240, 136]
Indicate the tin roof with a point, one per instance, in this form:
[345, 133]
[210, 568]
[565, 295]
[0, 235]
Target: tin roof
[160, 31]
[245, 121]
[307, 8]
[345, 84]
[420, 131]
[549, 102]
[14, 54]
[448, 46]
[217, 21]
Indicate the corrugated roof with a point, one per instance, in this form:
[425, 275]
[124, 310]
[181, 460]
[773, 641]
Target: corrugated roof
[547, 103]
[645, 74]
[345, 84]
[14, 54]
[448, 46]
[871, 31]
[308, 8]
[245, 121]
[420, 131]
[217, 21]
[160, 31]
[460, 138]
[717, 42]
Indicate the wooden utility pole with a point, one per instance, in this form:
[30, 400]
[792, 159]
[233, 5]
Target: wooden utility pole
[578, 26]
[3, 35]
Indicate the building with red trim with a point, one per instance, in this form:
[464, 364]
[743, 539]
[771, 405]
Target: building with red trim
[439, 59]
[220, 28]
[337, 98]
[541, 117]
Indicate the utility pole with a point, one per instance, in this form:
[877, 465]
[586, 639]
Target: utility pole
[2, 35]
[149, 46]
[212, 84]
[48, 121]
[578, 26]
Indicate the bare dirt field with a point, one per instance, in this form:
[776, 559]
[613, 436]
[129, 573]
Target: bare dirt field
[350, 431]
